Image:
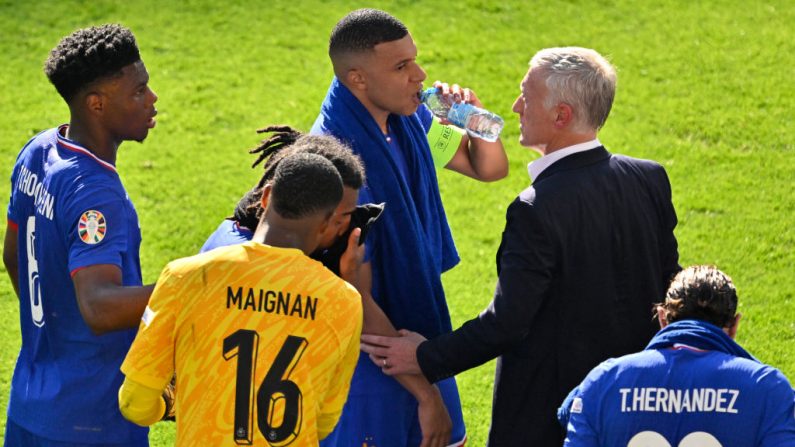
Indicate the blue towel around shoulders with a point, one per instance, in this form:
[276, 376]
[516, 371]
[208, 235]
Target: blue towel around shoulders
[412, 243]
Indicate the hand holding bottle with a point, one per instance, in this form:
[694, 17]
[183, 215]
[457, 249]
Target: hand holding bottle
[462, 108]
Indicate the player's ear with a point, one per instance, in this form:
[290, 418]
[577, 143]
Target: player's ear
[266, 195]
[324, 224]
[94, 102]
[356, 79]
[661, 317]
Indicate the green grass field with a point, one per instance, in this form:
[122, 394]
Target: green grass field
[705, 88]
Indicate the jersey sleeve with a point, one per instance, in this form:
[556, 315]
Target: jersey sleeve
[337, 394]
[150, 361]
[585, 409]
[140, 404]
[426, 117]
[778, 419]
[97, 228]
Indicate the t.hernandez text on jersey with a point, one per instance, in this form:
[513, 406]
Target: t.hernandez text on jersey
[271, 301]
[665, 400]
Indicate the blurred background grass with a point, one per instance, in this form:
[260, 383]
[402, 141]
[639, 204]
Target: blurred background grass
[705, 88]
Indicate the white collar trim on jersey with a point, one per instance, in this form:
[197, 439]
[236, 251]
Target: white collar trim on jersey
[72, 146]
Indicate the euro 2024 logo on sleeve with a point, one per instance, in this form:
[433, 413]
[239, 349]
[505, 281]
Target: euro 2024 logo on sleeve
[91, 227]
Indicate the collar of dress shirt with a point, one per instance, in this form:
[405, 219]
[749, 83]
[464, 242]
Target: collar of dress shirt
[536, 167]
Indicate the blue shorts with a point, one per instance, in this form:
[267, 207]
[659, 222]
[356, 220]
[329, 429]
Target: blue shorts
[17, 436]
[379, 412]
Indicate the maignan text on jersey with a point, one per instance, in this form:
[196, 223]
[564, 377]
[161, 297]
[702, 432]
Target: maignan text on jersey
[270, 301]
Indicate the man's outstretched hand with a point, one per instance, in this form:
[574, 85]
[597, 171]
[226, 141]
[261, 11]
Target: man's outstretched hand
[394, 355]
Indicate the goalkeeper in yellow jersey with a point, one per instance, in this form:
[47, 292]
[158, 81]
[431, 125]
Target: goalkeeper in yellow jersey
[263, 339]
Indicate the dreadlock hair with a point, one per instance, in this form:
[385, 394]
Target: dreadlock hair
[701, 292]
[90, 54]
[284, 142]
[362, 30]
[304, 185]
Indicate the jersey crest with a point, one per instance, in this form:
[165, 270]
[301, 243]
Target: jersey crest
[92, 227]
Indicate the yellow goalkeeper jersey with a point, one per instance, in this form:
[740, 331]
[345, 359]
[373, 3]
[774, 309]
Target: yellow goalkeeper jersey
[263, 340]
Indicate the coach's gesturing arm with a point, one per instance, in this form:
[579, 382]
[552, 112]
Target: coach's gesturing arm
[525, 268]
[526, 262]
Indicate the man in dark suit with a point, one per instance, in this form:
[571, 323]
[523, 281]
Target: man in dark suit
[587, 249]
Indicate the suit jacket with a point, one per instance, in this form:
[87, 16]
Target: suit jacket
[586, 251]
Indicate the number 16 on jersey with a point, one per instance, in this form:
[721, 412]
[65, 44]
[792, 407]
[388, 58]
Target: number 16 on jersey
[275, 391]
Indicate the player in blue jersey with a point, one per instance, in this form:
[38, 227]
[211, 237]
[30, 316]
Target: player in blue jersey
[691, 386]
[373, 105]
[71, 249]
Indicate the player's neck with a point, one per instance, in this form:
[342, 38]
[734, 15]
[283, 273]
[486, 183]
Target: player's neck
[99, 142]
[380, 115]
[276, 234]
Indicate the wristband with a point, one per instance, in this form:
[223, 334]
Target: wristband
[444, 141]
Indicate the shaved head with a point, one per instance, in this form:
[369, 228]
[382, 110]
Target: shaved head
[358, 33]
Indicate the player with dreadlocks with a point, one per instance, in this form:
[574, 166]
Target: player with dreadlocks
[71, 249]
[283, 142]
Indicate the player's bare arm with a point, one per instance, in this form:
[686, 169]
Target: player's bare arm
[434, 419]
[10, 256]
[105, 304]
[476, 158]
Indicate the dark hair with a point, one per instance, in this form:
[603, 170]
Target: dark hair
[304, 185]
[90, 54]
[362, 30]
[286, 141]
[701, 292]
[290, 141]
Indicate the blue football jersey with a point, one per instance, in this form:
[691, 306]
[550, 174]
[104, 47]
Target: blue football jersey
[228, 233]
[683, 397]
[71, 211]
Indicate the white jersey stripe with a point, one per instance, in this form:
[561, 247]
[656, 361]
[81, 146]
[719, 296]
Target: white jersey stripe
[72, 146]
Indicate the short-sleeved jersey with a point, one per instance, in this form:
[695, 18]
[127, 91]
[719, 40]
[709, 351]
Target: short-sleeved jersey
[71, 211]
[711, 399]
[229, 232]
[263, 340]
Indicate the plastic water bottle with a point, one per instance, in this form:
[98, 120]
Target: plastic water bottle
[477, 122]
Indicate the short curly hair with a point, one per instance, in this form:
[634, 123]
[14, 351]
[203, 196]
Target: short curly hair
[90, 54]
[304, 185]
[701, 292]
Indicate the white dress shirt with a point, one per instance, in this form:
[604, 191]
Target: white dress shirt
[536, 167]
